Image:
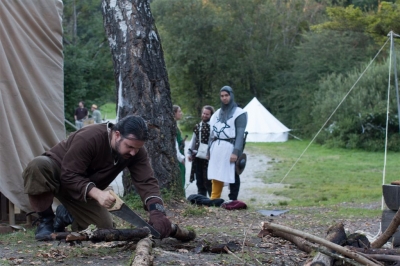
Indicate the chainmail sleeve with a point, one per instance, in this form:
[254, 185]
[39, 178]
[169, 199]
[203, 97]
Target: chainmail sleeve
[240, 125]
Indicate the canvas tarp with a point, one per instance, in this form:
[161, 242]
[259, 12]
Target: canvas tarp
[31, 88]
[262, 126]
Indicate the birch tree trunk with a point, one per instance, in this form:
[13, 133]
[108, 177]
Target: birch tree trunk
[141, 81]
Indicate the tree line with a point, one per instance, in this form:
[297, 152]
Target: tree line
[299, 58]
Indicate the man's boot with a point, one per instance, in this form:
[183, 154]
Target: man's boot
[45, 227]
[63, 219]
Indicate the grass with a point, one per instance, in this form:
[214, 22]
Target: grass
[325, 177]
[108, 111]
[194, 210]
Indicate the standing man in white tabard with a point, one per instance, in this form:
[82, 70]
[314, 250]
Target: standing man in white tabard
[228, 125]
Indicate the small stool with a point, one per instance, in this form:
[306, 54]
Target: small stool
[9, 214]
[391, 195]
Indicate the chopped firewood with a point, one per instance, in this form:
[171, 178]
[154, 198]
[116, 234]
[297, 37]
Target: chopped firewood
[99, 235]
[335, 234]
[384, 251]
[222, 248]
[344, 251]
[382, 257]
[182, 234]
[389, 232]
[143, 255]
[302, 244]
[357, 240]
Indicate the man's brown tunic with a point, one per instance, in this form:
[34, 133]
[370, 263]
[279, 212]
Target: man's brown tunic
[86, 160]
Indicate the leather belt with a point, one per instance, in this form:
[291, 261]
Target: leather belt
[228, 140]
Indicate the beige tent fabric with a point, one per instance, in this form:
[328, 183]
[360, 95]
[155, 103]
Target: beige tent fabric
[31, 88]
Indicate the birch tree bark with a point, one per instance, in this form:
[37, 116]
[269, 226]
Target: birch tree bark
[142, 85]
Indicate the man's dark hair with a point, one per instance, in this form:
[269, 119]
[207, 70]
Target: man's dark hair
[209, 108]
[134, 125]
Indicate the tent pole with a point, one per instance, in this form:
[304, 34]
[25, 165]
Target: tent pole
[395, 73]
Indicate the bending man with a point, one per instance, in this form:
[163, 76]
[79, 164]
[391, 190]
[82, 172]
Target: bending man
[77, 170]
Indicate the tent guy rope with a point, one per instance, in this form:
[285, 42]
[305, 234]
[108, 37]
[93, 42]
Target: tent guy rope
[334, 111]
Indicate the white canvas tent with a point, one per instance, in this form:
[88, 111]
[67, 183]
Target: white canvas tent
[262, 126]
[31, 88]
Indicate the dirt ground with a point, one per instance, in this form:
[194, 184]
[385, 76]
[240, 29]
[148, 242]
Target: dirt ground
[215, 228]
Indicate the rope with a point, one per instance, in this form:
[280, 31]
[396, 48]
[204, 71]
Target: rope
[334, 111]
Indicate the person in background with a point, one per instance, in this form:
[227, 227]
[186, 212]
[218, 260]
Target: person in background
[226, 144]
[199, 165]
[80, 114]
[181, 143]
[78, 170]
[96, 115]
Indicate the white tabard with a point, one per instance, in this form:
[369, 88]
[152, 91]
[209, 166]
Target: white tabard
[219, 166]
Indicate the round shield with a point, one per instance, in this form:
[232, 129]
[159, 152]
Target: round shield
[241, 163]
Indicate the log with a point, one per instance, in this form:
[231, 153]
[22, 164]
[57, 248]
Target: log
[109, 235]
[389, 232]
[383, 257]
[305, 245]
[344, 251]
[143, 253]
[335, 234]
[100, 235]
[385, 251]
[302, 244]
[182, 233]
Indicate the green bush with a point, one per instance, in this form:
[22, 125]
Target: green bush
[360, 117]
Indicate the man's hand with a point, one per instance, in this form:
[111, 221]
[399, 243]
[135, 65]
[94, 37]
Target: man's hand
[161, 223]
[104, 198]
[233, 158]
[158, 219]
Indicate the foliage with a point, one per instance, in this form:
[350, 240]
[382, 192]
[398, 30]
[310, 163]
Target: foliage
[284, 53]
[377, 23]
[364, 5]
[360, 118]
[209, 44]
[319, 54]
[88, 70]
